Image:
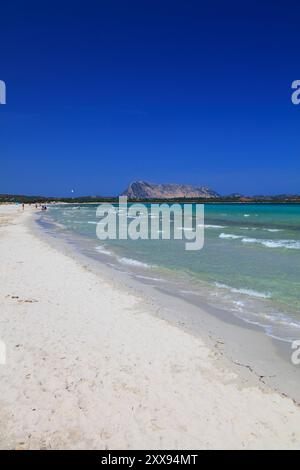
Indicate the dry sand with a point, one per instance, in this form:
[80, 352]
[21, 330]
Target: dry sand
[89, 367]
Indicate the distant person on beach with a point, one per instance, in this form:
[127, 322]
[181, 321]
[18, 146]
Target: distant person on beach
[23, 206]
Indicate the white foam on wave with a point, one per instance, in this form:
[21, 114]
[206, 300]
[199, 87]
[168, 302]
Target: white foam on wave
[103, 251]
[249, 292]
[214, 226]
[92, 222]
[149, 278]
[239, 304]
[282, 320]
[134, 262]
[272, 230]
[229, 236]
[289, 244]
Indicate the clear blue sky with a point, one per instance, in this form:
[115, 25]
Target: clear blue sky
[100, 93]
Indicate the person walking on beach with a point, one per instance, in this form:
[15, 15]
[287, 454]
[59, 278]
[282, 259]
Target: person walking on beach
[23, 206]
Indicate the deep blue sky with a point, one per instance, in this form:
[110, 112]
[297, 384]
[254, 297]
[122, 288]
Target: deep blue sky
[100, 93]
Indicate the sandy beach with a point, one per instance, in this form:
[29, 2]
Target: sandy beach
[89, 367]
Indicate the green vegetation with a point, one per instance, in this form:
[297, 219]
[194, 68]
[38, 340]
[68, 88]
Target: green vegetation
[280, 199]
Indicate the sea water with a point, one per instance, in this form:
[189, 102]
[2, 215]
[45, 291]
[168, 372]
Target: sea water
[249, 266]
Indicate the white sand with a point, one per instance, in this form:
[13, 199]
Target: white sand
[88, 366]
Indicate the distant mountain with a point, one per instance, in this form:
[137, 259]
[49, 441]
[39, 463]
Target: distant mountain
[145, 190]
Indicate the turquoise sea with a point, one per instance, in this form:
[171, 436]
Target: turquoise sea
[250, 263]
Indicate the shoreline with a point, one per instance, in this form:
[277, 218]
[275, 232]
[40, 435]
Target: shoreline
[231, 337]
[90, 364]
[243, 268]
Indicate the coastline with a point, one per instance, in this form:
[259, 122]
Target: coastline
[231, 337]
[91, 365]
